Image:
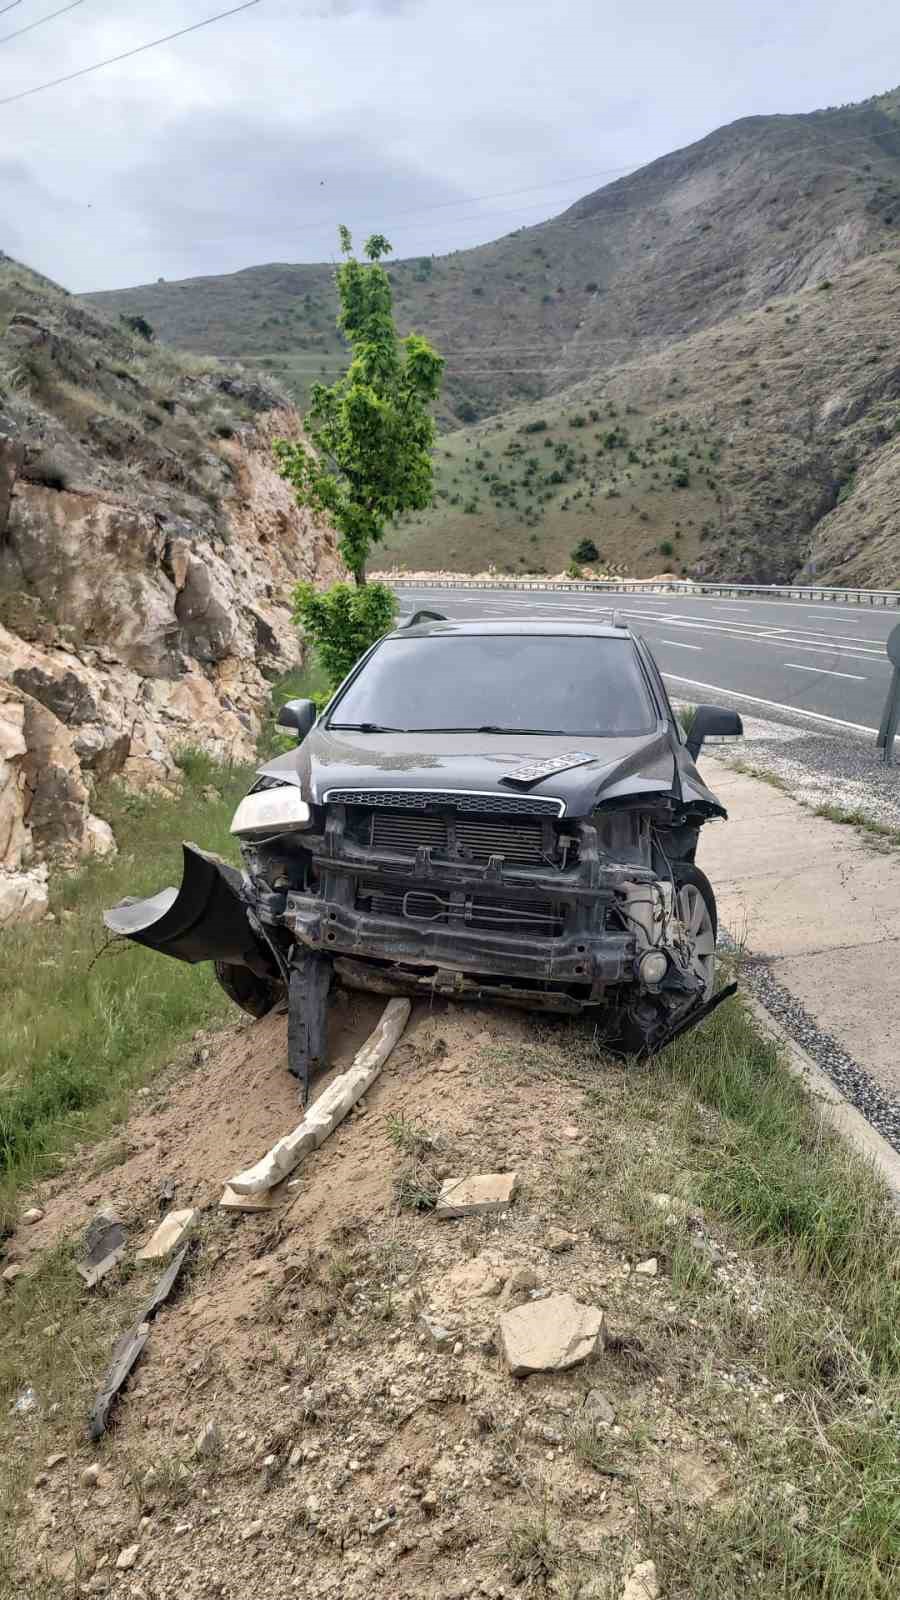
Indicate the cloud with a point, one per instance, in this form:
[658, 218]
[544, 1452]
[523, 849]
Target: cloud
[254, 190]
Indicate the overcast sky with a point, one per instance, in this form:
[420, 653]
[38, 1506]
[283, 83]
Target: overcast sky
[443, 122]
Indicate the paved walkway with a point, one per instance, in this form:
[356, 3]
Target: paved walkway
[820, 904]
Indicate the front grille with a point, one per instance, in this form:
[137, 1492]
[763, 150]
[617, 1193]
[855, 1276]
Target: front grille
[513, 805]
[467, 838]
[543, 919]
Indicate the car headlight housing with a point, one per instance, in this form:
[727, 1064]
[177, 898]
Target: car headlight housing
[268, 812]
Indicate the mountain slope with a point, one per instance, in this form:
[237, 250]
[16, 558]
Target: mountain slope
[763, 446]
[764, 207]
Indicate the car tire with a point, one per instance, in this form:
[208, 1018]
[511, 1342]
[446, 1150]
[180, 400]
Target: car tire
[253, 994]
[697, 908]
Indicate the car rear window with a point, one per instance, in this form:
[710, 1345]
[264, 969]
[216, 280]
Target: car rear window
[537, 683]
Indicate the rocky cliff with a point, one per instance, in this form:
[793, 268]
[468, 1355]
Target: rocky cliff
[147, 552]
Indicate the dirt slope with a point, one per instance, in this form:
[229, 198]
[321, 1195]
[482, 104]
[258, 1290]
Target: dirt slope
[354, 1458]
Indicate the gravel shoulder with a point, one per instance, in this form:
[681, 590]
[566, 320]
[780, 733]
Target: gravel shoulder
[841, 771]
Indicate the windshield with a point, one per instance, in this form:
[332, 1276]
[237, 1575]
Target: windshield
[537, 683]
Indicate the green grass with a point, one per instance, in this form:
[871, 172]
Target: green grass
[859, 819]
[86, 1021]
[309, 682]
[818, 1512]
[787, 1181]
[410, 1137]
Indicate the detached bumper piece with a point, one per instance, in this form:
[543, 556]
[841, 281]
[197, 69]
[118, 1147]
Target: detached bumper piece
[642, 1041]
[205, 920]
[685, 1024]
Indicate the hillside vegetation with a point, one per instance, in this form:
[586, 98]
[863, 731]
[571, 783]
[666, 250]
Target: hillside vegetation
[762, 447]
[621, 300]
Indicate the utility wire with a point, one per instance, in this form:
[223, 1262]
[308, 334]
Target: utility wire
[40, 22]
[126, 54]
[585, 221]
[11, 7]
[631, 167]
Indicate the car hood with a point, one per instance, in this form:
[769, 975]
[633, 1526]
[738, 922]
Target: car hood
[622, 767]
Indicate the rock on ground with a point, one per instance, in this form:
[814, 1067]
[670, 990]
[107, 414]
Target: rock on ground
[558, 1241]
[550, 1335]
[642, 1583]
[172, 1232]
[475, 1196]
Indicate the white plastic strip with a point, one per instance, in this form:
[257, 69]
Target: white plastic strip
[326, 1113]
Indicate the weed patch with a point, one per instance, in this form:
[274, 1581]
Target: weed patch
[86, 1020]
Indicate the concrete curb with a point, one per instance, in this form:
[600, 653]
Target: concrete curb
[834, 1107]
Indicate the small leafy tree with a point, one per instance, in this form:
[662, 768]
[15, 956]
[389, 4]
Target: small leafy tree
[372, 431]
[343, 622]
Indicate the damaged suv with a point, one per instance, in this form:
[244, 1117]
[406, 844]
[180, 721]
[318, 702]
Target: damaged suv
[505, 811]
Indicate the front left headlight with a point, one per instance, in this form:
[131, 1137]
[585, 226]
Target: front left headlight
[271, 811]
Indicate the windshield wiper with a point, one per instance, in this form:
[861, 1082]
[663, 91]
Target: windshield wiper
[365, 727]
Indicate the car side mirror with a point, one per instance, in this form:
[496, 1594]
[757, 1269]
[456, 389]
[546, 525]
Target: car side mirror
[298, 716]
[712, 722]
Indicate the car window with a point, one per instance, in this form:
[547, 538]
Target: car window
[540, 683]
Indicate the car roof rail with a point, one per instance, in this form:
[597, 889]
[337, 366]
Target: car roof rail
[618, 621]
[425, 616]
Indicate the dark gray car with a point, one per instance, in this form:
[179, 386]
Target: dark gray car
[495, 810]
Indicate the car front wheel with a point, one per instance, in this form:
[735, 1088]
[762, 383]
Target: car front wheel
[253, 994]
[695, 904]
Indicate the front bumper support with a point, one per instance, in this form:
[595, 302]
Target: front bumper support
[590, 953]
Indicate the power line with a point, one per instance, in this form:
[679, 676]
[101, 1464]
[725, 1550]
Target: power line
[40, 22]
[11, 7]
[633, 167]
[127, 54]
[443, 205]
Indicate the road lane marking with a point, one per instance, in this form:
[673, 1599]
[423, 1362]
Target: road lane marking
[824, 671]
[773, 705]
[833, 643]
[875, 657]
[680, 646]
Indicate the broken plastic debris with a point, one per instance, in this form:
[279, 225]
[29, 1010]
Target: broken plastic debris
[104, 1246]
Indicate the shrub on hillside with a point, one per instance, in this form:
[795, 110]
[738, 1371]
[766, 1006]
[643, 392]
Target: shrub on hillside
[586, 550]
[140, 327]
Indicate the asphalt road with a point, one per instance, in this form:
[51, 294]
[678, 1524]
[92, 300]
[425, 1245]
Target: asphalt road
[825, 662]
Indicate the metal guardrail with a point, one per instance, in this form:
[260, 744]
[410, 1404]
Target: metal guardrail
[888, 598]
